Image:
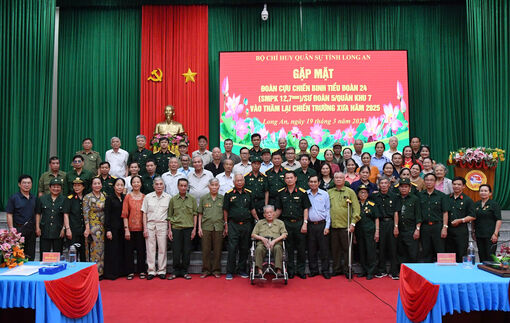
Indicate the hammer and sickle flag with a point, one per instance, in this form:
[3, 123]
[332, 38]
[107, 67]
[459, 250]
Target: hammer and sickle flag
[155, 76]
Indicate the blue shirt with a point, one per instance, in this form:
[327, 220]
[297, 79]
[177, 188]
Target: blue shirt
[320, 207]
[379, 162]
[371, 187]
[186, 172]
[21, 208]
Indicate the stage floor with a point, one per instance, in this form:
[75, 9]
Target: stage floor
[217, 300]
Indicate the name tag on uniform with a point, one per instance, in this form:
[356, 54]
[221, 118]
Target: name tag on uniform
[296, 197]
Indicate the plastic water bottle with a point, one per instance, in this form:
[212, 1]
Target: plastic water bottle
[72, 255]
[471, 252]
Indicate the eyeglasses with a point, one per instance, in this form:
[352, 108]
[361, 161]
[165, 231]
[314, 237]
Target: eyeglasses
[76, 161]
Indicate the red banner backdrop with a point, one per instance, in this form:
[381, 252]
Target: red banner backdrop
[175, 39]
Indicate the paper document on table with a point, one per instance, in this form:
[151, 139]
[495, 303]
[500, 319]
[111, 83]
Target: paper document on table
[23, 270]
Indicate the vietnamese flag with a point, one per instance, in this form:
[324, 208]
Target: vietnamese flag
[175, 39]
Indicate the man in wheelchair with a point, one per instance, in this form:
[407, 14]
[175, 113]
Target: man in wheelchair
[269, 234]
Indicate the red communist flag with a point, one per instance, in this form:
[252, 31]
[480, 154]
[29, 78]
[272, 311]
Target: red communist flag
[175, 39]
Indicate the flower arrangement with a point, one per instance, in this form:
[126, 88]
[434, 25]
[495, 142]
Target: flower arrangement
[503, 257]
[477, 157]
[237, 125]
[174, 140]
[11, 248]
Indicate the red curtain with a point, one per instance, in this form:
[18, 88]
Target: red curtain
[417, 294]
[175, 38]
[75, 295]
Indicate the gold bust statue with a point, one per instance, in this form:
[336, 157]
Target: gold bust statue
[169, 126]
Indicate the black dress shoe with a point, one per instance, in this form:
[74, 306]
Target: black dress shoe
[291, 276]
[302, 276]
[162, 276]
[150, 277]
[313, 274]
[326, 275]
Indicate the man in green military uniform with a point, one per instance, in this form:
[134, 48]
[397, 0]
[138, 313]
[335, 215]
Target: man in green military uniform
[162, 157]
[140, 154]
[256, 151]
[73, 217]
[148, 179]
[211, 228]
[462, 212]
[54, 172]
[269, 232]
[434, 212]
[367, 233]
[407, 220]
[107, 180]
[304, 172]
[292, 208]
[387, 241]
[238, 214]
[256, 182]
[182, 224]
[275, 177]
[49, 218]
[341, 199]
[78, 171]
[91, 158]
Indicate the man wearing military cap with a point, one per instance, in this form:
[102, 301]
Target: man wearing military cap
[337, 155]
[256, 182]
[292, 208]
[367, 233]
[407, 223]
[49, 218]
[73, 217]
[266, 160]
[238, 214]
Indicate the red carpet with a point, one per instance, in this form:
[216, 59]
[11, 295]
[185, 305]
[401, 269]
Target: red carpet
[217, 300]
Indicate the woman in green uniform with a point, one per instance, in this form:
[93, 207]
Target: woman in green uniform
[487, 224]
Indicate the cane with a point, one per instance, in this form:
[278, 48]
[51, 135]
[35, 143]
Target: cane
[349, 235]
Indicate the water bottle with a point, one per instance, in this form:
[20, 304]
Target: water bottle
[471, 252]
[72, 255]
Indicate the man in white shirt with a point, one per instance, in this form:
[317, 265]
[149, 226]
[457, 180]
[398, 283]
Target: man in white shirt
[199, 179]
[202, 150]
[226, 178]
[266, 161]
[185, 169]
[117, 158]
[155, 228]
[172, 176]
[393, 142]
[358, 151]
[245, 165]
[291, 163]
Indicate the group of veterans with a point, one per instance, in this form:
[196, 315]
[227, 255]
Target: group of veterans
[121, 212]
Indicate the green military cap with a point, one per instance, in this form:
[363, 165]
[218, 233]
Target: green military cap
[56, 181]
[405, 181]
[78, 180]
[266, 151]
[337, 143]
[362, 187]
[183, 143]
[256, 159]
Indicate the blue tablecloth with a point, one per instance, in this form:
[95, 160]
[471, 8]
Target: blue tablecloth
[30, 292]
[461, 289]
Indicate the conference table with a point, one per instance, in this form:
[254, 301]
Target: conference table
[429, 291]
[71, 295]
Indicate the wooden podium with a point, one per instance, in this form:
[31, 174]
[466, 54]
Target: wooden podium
[475, 176]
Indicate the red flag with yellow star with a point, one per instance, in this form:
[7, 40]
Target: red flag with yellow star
[175, 68]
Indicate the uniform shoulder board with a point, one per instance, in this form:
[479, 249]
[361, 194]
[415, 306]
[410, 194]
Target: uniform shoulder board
[397, 185]
[114, 177]
[302, 190]
[70, 196]
[97, 176]
[413, 183]
[247, 190]
[286, 169]
[229, 191]
[247, 174]
[263, 174]
[371, 203]
[281, 189]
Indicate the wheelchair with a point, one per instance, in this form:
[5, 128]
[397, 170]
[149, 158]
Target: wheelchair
[268, 266]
